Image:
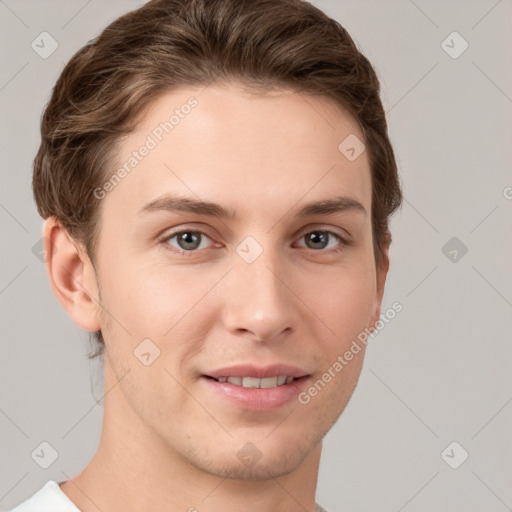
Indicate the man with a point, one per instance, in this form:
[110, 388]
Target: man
[216, 179]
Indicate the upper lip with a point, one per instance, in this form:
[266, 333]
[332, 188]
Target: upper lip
[258, 372]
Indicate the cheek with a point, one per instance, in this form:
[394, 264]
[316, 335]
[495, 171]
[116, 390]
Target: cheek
[145, 298]
[345, 299]
[172, 308]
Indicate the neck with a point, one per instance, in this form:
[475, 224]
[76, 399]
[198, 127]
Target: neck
[133, 469]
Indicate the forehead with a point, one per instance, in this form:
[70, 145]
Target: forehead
[222, 142]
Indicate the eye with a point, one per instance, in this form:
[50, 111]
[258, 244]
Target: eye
[187, 240]
[320, 240]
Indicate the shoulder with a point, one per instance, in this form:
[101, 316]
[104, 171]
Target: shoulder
[49, 498]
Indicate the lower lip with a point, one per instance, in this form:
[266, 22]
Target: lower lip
[257, 399]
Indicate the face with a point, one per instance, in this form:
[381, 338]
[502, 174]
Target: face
[223, 272]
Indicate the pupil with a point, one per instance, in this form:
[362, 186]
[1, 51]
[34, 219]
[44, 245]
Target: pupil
[318, 238]
[188, 240]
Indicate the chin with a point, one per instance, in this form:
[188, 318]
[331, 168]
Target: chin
[258, 460]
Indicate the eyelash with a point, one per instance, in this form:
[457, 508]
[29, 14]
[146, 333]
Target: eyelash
[344, 242]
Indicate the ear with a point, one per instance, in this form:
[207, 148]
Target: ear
[72, 276]
[381, 274]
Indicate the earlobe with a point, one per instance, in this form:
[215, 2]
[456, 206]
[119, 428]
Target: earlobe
[71, 275]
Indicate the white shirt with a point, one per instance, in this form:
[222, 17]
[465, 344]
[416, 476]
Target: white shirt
[50, 498]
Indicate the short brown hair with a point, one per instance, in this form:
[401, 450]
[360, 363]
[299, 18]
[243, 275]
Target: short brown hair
[166, 44]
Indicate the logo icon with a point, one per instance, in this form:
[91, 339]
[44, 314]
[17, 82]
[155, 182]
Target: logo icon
[454, 249]
[146, 352]
[249, 455]
[38, 249]
[44, 45]
[454, 455]
[44, 455]
[454, 45]
[351, 147]
[249, 249]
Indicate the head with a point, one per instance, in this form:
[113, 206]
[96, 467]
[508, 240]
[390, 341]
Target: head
[246, 105]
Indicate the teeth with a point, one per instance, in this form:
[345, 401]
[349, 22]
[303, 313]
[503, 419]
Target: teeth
[269, 382]
[253, 382]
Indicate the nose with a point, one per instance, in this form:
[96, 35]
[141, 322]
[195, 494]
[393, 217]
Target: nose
[259, 302]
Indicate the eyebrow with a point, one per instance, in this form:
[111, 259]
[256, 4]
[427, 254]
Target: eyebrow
[184, 204]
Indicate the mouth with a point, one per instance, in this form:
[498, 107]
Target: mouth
[255, 383]
[256, 388]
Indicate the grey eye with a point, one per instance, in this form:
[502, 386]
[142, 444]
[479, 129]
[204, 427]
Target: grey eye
[187, 240]
[317, 239]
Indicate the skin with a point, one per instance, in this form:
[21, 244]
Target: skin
[168, 442]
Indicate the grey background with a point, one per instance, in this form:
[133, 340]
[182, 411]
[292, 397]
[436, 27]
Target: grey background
[439, 372]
